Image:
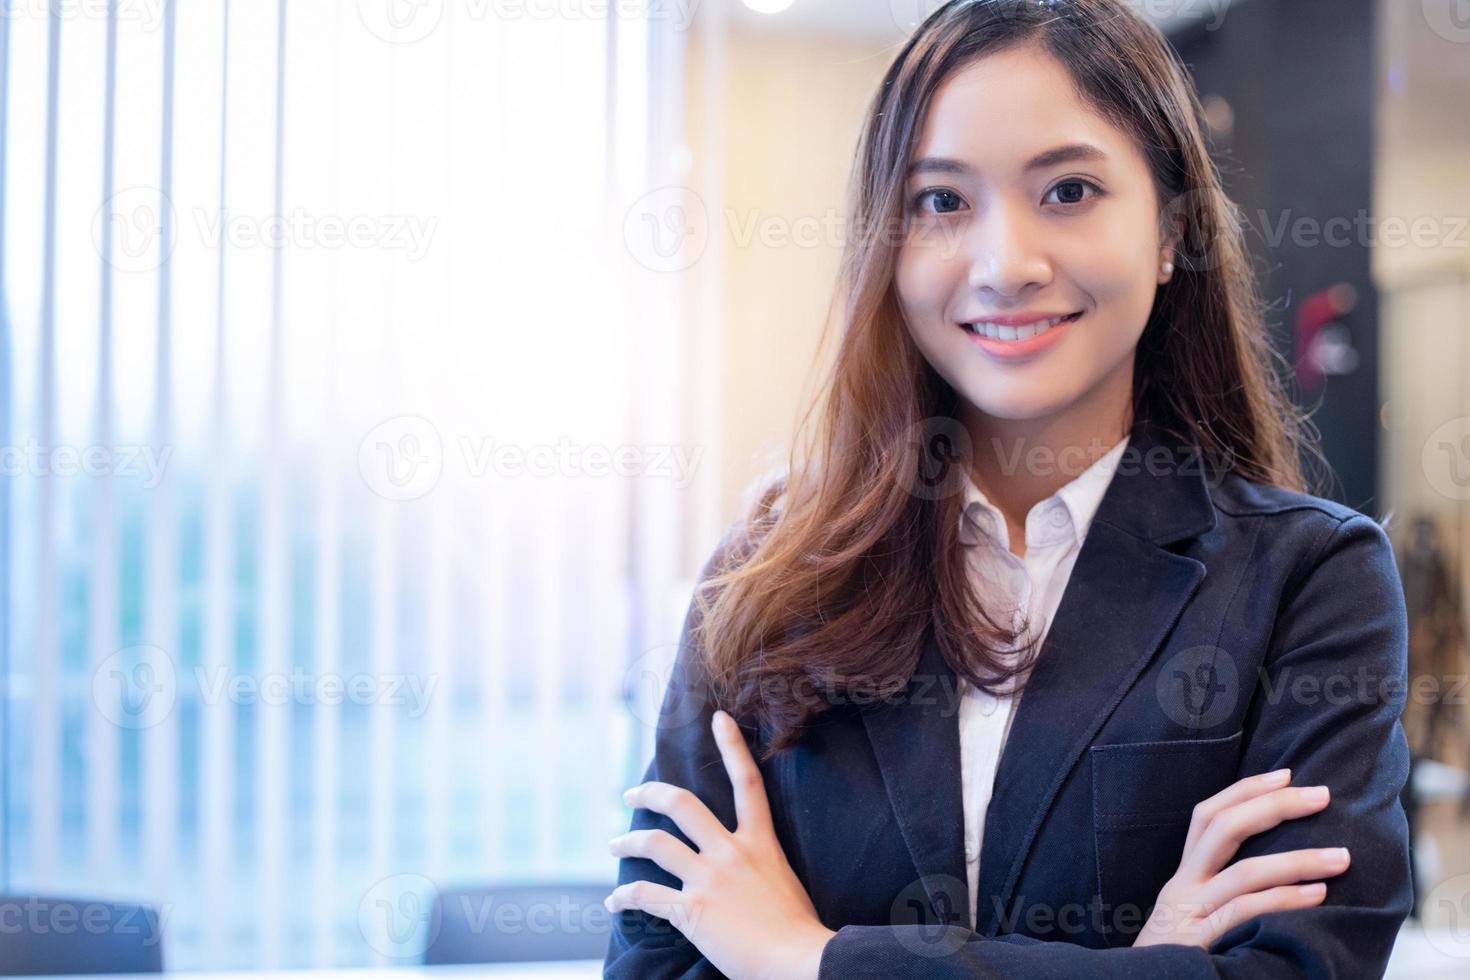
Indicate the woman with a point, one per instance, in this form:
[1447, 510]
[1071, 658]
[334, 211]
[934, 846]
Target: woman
[1050, 663]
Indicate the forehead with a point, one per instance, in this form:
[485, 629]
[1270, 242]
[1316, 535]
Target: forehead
[1024, 95]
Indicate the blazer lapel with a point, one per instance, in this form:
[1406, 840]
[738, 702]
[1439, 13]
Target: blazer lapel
[917, 745]
[1124, 595]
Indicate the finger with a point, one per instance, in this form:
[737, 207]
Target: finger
[752, 808]
[1229, 828]
[1247, 907]
[660, 847]
[1259, 873]
[686, 810]
[1237, 792]
[654, 899]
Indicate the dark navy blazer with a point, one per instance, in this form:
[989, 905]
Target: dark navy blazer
[1211, 629]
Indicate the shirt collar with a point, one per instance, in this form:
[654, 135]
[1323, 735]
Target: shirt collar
[1065, 514]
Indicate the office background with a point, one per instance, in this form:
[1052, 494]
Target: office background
[375, 375]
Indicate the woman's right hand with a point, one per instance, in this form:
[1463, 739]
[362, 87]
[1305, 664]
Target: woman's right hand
[1205, 898]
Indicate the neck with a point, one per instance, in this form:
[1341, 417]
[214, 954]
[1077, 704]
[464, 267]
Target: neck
[1020, 462]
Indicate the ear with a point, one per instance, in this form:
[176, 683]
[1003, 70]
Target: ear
[1173, 234]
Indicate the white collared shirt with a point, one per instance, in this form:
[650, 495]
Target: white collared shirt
[1055, 530]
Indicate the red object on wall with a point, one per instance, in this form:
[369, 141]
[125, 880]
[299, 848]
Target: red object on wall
[1314, 355]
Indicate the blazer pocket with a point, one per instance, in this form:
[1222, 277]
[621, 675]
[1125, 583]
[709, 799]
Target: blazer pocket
[1143, 796]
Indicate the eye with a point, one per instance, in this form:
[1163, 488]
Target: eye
[1070, 184]
[942, 196]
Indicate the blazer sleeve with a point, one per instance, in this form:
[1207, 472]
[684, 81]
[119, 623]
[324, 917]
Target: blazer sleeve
[643, 946]
[1327, 703]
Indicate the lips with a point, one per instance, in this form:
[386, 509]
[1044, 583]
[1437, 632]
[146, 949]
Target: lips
[1019, 349]
[1002, 331]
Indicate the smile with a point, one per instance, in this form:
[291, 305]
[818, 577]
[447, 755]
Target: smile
[1005, 341]
[997, 331]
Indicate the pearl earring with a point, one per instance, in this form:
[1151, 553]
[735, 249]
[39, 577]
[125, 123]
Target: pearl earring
[1168, 267]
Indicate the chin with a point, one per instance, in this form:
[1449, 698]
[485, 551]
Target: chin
[1019, 405]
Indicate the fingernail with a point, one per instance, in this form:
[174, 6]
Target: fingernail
[1336, 855]
[1279, 776]
[1315, 888]
[1316, 794]
[628, 794]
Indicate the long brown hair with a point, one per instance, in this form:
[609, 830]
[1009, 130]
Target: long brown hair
[828, 582]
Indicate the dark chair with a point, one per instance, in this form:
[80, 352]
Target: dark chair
[519, 924]
[42, 934]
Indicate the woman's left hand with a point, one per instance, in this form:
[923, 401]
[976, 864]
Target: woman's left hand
[741, 904]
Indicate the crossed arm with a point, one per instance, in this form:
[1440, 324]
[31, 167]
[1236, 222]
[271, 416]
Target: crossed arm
[1342, 634]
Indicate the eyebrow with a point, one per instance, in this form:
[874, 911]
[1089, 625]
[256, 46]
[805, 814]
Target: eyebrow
[1072, 152]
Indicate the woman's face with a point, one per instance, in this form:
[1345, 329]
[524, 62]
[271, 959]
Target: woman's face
[1001, 227]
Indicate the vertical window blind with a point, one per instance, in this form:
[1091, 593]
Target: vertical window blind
[346, 460]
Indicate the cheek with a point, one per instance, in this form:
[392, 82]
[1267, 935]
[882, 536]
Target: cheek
[924, 285]
[1121, 286]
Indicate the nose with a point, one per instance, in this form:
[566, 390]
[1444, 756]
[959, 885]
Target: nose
[1006, 254]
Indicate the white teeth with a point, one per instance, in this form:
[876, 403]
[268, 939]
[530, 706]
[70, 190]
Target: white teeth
[999, 332]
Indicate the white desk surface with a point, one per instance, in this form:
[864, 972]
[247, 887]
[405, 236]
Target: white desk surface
[560, 970]
[1441, 954]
